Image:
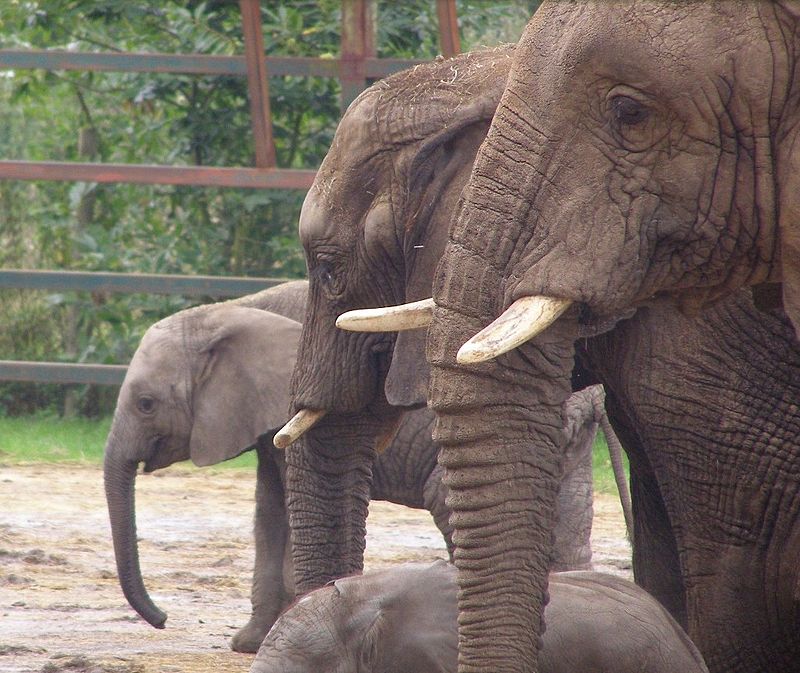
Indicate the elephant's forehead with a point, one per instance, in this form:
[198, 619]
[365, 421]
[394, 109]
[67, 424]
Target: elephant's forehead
[159, 349]
[313, 222]
[307, 626]
[331, 213]
[349, 174]
[645, 38]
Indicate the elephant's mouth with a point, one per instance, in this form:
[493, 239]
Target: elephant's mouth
[158, 456]
[591, 324]
[306, 418]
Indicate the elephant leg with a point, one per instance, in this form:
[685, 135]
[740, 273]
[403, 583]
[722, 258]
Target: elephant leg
[434, 493]
[656, 566]
[572, 545]
[269, 595]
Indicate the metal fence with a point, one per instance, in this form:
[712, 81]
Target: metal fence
[356, 66]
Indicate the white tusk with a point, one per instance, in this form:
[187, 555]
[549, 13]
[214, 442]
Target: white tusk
[301, 423]
[388, 319]
[523, 320]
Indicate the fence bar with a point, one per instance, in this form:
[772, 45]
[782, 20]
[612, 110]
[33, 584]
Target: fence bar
[61, 372]
[147, 283]
[58, 59]
[196, 64]
[257, 83]
[209, 176]
[358, 43]
[449, 39]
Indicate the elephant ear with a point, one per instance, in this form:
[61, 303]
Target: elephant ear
[789, 226]
[437, 176]
[789, 186]
[241, 386]
[404, 618]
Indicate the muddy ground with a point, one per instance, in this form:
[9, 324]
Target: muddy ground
[61, 608]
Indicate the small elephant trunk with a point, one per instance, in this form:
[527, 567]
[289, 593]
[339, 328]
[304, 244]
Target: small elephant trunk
[120, 476]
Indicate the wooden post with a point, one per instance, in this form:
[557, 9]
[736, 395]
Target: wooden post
[257, 83]
[358, 43]
[449, 39]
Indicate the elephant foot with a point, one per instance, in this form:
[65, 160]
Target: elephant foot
[249, 637]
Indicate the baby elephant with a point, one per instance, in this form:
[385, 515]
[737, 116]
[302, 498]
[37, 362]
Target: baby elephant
[404, 619]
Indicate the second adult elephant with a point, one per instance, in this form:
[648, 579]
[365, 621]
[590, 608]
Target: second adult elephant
[373, 226]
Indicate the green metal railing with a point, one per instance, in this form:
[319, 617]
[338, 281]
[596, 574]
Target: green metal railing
[85, 281]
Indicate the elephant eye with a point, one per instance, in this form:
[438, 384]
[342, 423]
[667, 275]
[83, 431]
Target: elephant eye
[324, 272]
[146, 404]
[628, 111]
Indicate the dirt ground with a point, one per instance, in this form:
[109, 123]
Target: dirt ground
[61, 608]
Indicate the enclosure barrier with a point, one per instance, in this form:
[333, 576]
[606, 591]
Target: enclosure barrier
[357, 65]
[87, 281]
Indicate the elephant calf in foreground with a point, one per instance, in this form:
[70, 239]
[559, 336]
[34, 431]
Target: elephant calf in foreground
[210, 382]
[404, 619]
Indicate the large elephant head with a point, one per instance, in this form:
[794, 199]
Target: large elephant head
[373, 227]
[640, 149]
[204, 384]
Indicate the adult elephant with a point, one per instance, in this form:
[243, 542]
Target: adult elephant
[373, 226]
[641, 150]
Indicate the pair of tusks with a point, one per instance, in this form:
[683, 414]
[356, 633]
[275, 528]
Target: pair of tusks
[520, 322]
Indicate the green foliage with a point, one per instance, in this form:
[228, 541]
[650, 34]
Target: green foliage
[47, 438]
[165, 119]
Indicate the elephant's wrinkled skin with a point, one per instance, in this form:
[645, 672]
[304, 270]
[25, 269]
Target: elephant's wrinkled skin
[373, 226]
[641, 149]
[207, 384]
[711, 422]
[404, 619]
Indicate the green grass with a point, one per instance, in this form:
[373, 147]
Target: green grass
[49, 439]
[26, 439]
[604, 481]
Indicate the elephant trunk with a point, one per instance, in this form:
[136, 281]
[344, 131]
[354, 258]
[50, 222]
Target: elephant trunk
[120, 476]
[328, 479]
[500, 427]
